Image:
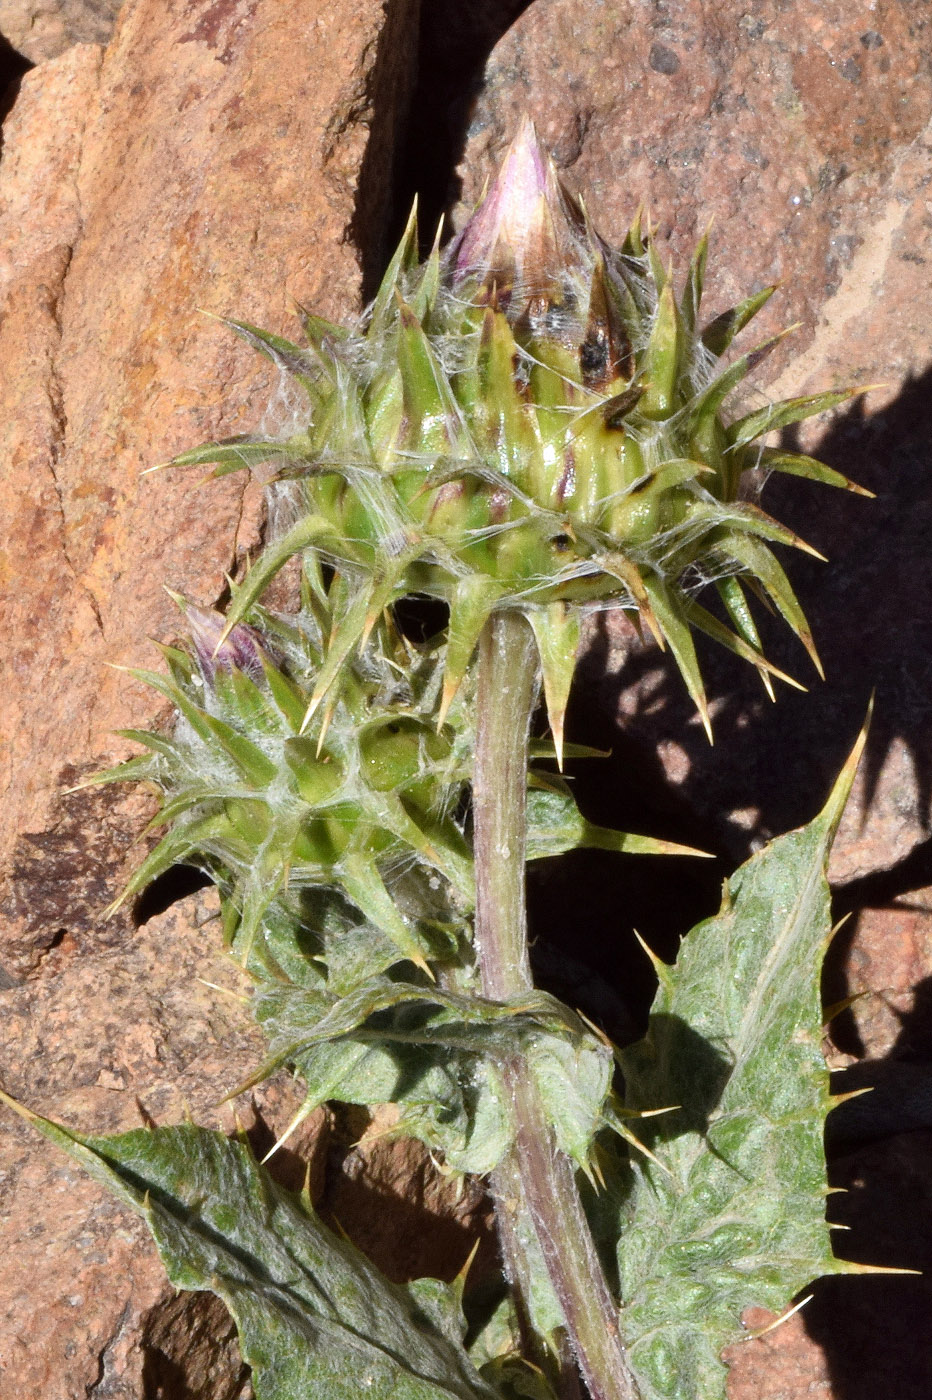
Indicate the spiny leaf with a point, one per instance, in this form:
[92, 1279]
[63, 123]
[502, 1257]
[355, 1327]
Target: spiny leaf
[360, 878]
[667, 607]
[314, 1316]
[736, 605]
[704, 621]
[452, 1013]
[159, 743]
[175, 848]
[474, 598]
[555, 825]
[695, 281]
[383, 310]
[755, 521]
[435, 846]
[288, 698]
[195, 716]
[661, 363]
[346, 635]
[707, 405]
[310, 530]
[132, 770]
[236, 454]
[194, 796]
[431, 411]
[754, 556]
[738, 1218]
[304, 364]
[627, 572]
[255, 766]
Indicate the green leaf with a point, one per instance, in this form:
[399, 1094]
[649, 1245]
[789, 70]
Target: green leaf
[360, 877]
[256, 767]
[238, 453]
[667, 605]
[175, 848]
[704, 621]
[385, 309]
[695, 281]
[348, 629]
[196, 717]
[661, 363]
[310, 531]
[306, 364]
[431, 411]
[574, 1079]
[555, 825]
[315, 1318]
[754, 556]
[158, 743]
[436, 1053]
[738, 1216]
[142, 768]
[474, 599]
[410, 1053]
[705, 408]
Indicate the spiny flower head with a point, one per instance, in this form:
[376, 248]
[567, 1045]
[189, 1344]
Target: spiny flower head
[358, 815]
[533, 420]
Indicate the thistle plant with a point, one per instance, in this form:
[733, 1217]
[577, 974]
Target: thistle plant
[527, 426]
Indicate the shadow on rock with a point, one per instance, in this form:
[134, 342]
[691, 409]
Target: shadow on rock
[880, 1147]
[452, 43]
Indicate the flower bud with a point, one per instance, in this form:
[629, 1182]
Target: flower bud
[523, 238]
[241, 649]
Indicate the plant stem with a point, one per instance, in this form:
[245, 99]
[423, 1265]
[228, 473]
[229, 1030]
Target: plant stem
[536, 1198]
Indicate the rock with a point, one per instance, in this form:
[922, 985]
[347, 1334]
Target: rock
[780, 123]
[43, 29]
[405, 1216]
[782, 1364]
[105, 1041]
[192, 167]
[144, 1033]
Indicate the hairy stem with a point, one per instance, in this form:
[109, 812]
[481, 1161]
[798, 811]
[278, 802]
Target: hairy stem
[536, 1198]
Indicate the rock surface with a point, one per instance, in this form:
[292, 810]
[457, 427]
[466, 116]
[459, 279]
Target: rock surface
[43, 29]
[109, 1040]
[168, 176]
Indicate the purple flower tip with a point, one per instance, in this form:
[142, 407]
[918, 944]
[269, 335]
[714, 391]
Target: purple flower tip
[241, 650]
[523, 233]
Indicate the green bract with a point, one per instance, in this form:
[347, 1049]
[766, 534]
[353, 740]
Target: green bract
[533, 420]
[363, 807]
